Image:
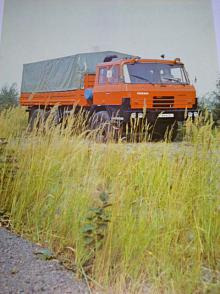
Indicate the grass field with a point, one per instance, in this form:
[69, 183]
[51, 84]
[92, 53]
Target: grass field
[129, 218]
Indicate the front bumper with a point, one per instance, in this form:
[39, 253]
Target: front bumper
[152, 115]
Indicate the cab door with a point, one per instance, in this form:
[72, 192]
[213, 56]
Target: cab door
[109, 87]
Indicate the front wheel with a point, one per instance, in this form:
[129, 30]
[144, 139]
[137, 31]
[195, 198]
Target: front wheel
[105, 129]
[165, 130]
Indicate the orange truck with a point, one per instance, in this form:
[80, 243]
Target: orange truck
[113, 87]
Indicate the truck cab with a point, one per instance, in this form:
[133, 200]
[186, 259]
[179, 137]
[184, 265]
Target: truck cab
[158, 86]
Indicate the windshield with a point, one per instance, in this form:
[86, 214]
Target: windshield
[155, 73]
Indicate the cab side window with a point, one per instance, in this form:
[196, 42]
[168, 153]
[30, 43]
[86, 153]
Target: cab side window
[114, 76]
[103, 75]
[109, 75]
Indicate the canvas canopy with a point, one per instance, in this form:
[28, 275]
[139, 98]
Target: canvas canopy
[62, 74]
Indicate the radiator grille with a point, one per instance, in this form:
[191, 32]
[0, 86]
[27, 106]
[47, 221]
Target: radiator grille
[163, 102]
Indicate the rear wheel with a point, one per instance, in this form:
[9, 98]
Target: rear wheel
[36, 118]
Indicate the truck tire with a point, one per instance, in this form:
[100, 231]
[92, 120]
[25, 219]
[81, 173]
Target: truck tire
[173, 130]
[36, 118]
[165, 130]
[106, 131]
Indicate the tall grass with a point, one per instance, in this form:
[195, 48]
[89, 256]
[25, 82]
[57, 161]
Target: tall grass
[13, 122]
[163, 205]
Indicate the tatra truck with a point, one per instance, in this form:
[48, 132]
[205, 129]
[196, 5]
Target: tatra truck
[113, 87]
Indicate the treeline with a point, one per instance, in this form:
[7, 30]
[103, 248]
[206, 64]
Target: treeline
[8, 96]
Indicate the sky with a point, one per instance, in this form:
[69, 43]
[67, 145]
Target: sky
[1, 16]
[216, 17]
[36, 30]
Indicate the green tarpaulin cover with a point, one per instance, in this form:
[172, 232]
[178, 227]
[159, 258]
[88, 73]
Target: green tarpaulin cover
[62, 74]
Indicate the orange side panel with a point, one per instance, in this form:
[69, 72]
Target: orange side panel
[73, 97]
[89, 80]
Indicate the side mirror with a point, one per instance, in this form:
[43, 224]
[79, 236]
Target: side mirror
[121, 79]
[195, 80]
[109, 74]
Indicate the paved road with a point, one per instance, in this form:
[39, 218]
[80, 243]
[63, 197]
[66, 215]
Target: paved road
[22, 271]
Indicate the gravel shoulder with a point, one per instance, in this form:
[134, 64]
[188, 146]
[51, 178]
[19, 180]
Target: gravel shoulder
[21, 271]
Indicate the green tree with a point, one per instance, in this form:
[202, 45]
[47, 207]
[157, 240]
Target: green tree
[8, 96]
[211, 102]
[216, 109]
